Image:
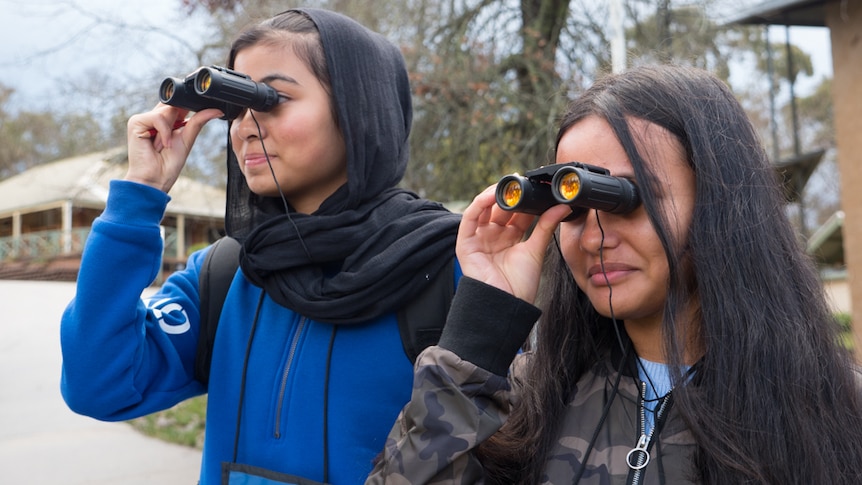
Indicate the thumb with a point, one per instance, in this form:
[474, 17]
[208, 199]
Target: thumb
[196, 123]
[545, 227]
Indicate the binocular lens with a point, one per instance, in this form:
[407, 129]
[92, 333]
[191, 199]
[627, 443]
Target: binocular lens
[569, 185]
[167, 91]
[512, 193]
[204, 81]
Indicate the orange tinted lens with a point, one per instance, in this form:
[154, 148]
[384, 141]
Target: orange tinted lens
[512, 193]
[206, 81]
[569, 186]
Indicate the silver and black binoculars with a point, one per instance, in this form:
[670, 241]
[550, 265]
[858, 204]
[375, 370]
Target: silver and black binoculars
[579, 185]
[218, 87]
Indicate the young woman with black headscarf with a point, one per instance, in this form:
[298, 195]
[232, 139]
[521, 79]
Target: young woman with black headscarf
[308, 369]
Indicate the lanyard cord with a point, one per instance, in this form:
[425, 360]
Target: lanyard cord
[277, 184]
[625, 352]
[601, 422]
[326, 406]
[257, 318]
[244, 375]
[325, 391]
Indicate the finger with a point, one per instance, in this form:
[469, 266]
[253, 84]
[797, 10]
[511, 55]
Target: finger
[195, 124]
[494, 214]
[160, 122]
[519, 221]
[546, 225]
[484, 217]
[476, 213]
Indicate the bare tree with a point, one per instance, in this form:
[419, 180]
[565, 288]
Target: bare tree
[28, 137]
[490, 77]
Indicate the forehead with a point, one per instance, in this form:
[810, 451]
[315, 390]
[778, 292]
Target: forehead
[593, 141]
[266, 58]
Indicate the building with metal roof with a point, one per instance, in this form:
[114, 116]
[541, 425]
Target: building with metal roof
[805, 13]
[839, 241]
[46, 212]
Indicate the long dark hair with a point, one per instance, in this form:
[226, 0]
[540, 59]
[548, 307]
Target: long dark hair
[776, 398]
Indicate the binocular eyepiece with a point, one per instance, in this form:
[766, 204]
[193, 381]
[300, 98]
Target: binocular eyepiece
[218, 87]
[579, 185]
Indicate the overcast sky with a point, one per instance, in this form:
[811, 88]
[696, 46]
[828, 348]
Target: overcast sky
[44, 42]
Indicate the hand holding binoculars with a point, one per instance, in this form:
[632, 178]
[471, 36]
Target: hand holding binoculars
[576, 184]
[220, 88]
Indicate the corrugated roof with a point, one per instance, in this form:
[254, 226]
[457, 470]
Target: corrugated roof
[84, 181]
[808, 13]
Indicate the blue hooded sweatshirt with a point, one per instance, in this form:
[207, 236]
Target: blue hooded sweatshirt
[308, 369]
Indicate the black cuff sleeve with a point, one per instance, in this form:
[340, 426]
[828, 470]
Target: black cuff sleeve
[487, 326]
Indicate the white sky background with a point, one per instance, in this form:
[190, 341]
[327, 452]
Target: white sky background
[45, 43]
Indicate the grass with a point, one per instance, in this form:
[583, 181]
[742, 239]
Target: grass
[182, 424]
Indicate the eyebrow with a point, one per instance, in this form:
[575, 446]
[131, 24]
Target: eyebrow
[279, 77]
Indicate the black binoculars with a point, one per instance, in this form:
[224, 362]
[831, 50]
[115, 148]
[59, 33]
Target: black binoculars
[218, 87]
[576, 184]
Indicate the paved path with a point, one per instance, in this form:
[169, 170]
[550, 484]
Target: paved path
[41, 441]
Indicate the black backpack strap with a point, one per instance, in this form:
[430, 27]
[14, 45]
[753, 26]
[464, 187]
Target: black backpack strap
[421, 322]
[220, 265]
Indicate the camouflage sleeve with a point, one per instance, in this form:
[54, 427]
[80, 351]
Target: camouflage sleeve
[455, 406]
[461, 395]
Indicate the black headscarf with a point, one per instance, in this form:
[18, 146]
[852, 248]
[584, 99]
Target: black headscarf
[371, 246]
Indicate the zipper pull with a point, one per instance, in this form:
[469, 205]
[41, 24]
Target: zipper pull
[639, 453]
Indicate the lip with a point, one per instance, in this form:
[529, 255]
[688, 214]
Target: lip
[254, 159]
[613, 273]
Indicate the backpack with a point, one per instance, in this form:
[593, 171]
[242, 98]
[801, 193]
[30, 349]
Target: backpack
[420, 322]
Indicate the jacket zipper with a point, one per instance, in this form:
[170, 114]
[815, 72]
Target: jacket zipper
[282, 389]
[645, 440]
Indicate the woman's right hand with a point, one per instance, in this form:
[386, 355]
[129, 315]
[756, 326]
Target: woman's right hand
[156, 160]
[491, 247]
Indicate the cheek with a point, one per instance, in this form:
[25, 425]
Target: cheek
[236, 146]
[235, 139]
[569, 237]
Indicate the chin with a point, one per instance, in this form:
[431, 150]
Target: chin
[621, 311]
[264, 191]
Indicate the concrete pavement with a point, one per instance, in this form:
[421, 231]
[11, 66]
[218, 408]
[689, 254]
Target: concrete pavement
[41, 441]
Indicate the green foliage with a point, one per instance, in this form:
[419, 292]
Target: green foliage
[844, 320]
[183, 424]
[846, 330]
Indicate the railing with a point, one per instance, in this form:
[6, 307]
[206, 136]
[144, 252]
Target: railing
[44, 245]
[170, 242]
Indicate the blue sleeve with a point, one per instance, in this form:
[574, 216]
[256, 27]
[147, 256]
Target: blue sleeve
[124, 357]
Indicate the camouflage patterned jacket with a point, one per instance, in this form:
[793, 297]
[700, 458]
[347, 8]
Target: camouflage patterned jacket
[460, 398]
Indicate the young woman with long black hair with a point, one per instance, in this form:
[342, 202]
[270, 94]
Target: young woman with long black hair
[687, 341]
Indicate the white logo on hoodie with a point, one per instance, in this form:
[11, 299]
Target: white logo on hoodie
[172, 318]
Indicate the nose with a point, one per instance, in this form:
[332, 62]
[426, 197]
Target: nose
[597, 232]
[247, 126]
